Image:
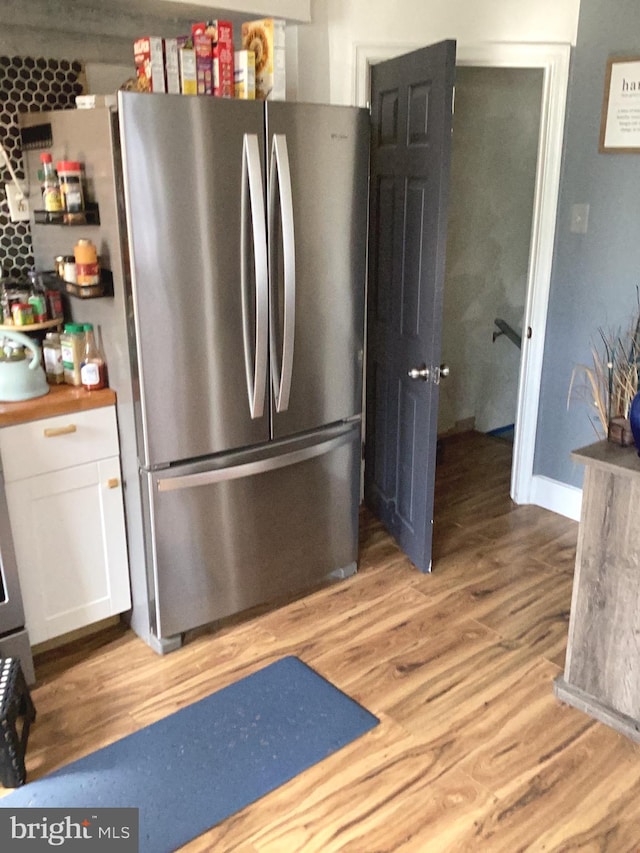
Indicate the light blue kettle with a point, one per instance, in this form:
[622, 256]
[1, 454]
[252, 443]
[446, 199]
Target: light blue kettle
[20, 378]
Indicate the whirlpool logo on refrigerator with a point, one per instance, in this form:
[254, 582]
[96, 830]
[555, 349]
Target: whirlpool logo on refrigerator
[33, 830]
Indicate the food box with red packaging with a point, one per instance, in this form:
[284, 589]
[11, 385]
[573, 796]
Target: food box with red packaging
[223, 67]
[148, 52]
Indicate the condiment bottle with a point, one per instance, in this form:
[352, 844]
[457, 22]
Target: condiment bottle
[51, 197]
[94, 370]
[37, 298]
[55, 308]
[52, 351]
[72, 343]
[5, 307]
[87, 269]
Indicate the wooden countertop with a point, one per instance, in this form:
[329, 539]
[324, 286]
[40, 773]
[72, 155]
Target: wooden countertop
[610, 456]
[61, 400]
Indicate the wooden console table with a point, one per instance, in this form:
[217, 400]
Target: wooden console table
[602, 667]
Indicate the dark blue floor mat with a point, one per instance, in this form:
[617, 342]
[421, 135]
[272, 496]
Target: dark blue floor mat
[196, 767]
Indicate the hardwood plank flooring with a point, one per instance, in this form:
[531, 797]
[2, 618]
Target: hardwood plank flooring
[473, 751]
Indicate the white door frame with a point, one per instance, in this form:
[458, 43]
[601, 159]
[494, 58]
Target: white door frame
[554, 61]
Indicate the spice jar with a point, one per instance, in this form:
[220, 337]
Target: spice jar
[69, 272]
[70, 176]
[72, 344]
[86, 257]
[52, 352]
[22, 313]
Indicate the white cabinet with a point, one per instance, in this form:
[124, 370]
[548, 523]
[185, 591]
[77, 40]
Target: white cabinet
[64, 490]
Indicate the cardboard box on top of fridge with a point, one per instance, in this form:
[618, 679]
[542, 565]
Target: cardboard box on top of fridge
[90, 102]
[188, 73]
[245, 74]
[172, 65]
[148, 54]
[203, 48]
[266, 38]
[207, 28]
[223, 65]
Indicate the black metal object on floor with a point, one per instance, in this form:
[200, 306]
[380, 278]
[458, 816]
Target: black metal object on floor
[17, 712]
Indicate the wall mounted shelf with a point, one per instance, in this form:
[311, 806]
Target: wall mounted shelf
[89, 216]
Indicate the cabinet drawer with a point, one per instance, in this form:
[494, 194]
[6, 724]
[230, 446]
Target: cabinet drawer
[51, 444]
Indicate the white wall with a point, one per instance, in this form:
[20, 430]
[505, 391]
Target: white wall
[327, 46]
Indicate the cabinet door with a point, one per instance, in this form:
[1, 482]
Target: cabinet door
[69, 536]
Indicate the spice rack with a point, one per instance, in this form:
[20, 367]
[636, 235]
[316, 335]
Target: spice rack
[91, 291]
[90, 216]
[31, 327]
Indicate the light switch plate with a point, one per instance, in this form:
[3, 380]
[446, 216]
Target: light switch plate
[18, 204]
[579, 218]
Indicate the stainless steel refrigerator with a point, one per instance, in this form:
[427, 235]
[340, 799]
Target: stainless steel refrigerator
[243, 233]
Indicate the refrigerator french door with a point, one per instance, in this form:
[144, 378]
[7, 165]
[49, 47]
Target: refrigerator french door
[246, 227]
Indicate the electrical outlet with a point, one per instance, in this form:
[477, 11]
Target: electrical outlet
[579, 219]
[18, 204]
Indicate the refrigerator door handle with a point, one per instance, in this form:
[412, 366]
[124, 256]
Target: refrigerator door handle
[252, 202]
[280, 183]
[249, 469]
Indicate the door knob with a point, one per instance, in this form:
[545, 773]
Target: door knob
[420, 373]
[427, 374]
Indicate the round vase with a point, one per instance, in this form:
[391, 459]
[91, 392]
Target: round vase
[634, 420]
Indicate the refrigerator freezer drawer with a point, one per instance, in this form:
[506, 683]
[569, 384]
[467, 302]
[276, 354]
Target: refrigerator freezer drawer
[227, 539]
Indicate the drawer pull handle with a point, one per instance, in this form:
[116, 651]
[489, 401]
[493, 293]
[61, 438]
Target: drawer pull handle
[113, 483]
[51, 432]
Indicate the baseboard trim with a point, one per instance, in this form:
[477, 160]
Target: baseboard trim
[558, 497]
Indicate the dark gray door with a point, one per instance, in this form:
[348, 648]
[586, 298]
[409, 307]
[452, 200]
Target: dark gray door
[411, 113]
[318, 171]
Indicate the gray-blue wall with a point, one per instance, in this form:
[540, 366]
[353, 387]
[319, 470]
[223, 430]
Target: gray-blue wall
[594, 275]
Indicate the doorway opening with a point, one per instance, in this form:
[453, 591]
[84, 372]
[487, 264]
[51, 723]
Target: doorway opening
[496, 128]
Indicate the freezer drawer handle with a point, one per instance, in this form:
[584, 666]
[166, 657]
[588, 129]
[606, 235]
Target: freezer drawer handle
[249, 469]
[255, 348]
[280, 183]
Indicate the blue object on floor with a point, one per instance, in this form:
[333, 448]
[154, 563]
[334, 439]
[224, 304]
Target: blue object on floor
[191, 770]
[504, 432]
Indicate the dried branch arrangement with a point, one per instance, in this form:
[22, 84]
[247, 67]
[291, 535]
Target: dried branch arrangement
[610, 384]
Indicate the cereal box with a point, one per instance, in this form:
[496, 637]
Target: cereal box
[148, 53]
[188, 75]
[245, 74]
[172, 66]
[266, 38]
[204, 63]
[223, 67]
[208, 28]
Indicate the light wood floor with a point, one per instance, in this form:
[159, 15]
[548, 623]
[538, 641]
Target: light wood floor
[473, 751]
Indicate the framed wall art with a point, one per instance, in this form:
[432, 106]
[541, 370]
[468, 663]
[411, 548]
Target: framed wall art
[620, 121]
